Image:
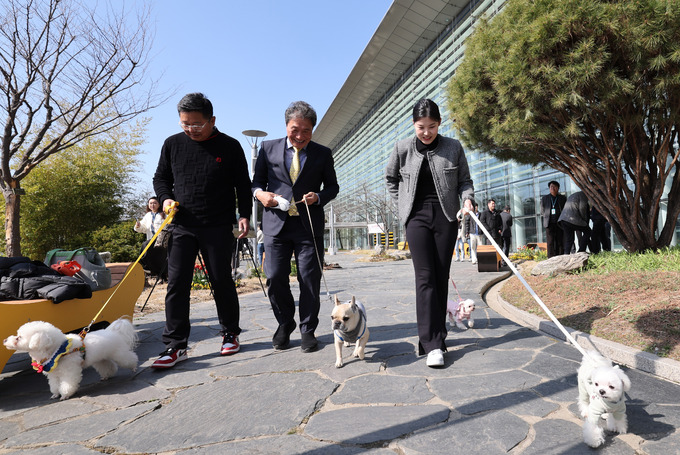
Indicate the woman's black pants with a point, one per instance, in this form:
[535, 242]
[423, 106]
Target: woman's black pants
[431, 238]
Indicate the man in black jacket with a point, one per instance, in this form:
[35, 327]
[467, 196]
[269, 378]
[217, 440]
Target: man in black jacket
[491, 219]
[551, 209]
[506, 231]
[204, 170]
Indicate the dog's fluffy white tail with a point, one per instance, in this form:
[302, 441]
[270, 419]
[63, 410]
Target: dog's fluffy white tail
[125, 328]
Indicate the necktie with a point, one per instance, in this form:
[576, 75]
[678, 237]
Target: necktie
[295, 166]
[294, 172]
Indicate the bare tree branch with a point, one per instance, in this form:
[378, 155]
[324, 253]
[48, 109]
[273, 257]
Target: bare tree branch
[69, 71]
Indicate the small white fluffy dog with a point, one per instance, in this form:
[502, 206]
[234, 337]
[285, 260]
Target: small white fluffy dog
[457, 311]
[62, 357]
[601, 388]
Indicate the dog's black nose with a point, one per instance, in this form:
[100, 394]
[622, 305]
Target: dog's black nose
[603, 392]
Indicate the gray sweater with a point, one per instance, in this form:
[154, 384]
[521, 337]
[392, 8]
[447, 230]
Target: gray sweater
[449, 170]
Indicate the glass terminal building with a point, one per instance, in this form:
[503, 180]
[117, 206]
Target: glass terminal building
[412, 55]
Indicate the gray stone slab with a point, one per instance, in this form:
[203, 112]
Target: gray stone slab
[555, 436]
[381, 388]
[563, 349]
[121, 394]
[561, 390]
[236, 408]
[370, 424]
[523, 403]
[488, 434]
[469, 389]
[58, 449]
[78, 429]
[8, 429]
[290, 360]
[552, 367]
[655, 390]
[665, 446]
[22, 391]
[378, 316]
[521, 338]
[477, 361]
[288, 444]
[59, 410]
[652, 422]
[175, 378]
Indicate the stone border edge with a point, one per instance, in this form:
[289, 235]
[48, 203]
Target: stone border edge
[634, 358]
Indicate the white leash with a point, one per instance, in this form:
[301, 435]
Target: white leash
[526, 285]
[316, 250]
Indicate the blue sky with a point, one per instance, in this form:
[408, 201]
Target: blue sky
[252, 58]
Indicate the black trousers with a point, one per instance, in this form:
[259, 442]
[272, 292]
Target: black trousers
[294, 239]
[569, 231]
[431, 238]
[507, 241]
[215, 244]
[555, 239]
[599, 238]
[155, 261]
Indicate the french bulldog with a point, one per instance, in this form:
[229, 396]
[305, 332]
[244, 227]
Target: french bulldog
[349, 326]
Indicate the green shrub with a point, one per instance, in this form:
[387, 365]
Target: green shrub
[120, 240]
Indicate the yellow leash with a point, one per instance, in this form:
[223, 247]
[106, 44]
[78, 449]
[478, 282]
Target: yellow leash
[170, 211]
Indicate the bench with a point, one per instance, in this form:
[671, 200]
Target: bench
[72, 315]
[488, 259]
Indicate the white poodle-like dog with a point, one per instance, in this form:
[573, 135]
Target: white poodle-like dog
[62, 357]
[601, 388]
[457, 311]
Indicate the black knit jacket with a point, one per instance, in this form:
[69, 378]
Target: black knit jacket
[206, 178]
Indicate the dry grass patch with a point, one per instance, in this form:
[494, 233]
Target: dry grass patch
[640, 309]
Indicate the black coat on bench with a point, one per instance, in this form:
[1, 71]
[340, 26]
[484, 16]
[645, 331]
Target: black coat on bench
[24, 279]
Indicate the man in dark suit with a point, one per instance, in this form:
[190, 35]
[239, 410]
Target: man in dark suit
[288, 180]
[506, 230]
[551, 208]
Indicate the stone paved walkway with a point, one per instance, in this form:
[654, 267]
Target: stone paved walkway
[505, 388]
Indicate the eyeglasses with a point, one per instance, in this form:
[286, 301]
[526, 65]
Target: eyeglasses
[195, 128]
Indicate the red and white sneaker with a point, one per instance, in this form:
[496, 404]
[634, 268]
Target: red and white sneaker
[230, 344]
[169, 358]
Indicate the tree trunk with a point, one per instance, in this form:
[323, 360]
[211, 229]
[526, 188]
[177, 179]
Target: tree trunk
[12, 222]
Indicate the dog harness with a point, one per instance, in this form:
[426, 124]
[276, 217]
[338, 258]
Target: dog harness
[353, 336]
[47, 365]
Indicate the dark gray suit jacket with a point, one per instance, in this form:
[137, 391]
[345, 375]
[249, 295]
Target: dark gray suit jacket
[317, 175]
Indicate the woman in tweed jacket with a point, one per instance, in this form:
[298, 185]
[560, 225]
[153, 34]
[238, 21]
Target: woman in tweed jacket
[428, 175]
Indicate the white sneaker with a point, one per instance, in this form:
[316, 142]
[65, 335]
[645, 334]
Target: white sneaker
[435, 358]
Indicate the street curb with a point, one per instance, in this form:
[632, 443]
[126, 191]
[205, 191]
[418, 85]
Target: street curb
[644, 361]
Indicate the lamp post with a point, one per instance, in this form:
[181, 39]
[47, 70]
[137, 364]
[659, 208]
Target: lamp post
[253, 136]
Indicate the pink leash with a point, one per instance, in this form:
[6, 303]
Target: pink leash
[460, 299]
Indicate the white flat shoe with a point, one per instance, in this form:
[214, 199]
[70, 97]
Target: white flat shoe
[435, 358]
